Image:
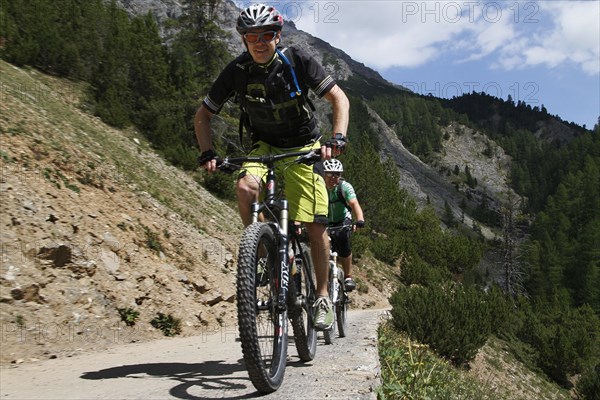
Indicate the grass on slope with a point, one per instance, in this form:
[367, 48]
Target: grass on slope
[411, 371]
[57, 108]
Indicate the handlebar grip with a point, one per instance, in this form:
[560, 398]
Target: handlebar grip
[311, 158]
[223, 165]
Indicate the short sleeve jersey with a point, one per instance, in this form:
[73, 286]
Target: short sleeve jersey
[337, 209]
[309, 72]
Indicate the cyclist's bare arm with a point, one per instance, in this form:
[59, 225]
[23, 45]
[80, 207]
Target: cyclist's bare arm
[203, 130]
[356, 210]
[340, 107]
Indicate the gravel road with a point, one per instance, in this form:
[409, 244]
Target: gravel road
[202, 367]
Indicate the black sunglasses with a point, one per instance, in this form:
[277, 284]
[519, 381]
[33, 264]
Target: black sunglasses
[254, 37]
[333, 174]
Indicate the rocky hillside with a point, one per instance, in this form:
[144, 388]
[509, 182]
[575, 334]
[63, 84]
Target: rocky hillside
[93, 222]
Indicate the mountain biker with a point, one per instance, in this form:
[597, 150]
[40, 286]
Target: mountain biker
[342, 204]
[272, 89]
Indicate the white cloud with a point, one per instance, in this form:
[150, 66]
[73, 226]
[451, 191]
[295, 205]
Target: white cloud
[508, 35]
[383, 33]
[486, 38]
[574, 37]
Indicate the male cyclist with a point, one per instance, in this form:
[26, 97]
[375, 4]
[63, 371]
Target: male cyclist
[342, 204]
[271, 85]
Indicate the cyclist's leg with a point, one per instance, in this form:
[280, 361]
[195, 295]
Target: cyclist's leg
[247, 191]
[249, 183]
[319, 248]
[344, 246]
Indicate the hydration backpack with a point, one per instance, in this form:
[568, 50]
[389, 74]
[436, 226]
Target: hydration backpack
[289, 99]
[340, 195]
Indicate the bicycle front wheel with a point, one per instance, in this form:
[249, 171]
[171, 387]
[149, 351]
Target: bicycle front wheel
[262, 324]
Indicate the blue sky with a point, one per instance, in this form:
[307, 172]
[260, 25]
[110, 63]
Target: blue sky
[541, 52]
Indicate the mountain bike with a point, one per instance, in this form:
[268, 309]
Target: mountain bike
[275, 279]
[337, 292]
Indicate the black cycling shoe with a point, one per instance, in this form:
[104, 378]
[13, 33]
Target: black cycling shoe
[349, 284]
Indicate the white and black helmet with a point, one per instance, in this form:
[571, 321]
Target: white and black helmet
[259, 16]
[333, 165]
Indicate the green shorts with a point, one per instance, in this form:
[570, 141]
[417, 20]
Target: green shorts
[304, 190]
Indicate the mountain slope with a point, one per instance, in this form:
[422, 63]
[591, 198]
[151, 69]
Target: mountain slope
[421, 180]
[92, 222]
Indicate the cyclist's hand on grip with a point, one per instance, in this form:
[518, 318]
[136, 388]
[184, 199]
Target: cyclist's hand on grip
[208, 160]
[335, 146]
[358, 225]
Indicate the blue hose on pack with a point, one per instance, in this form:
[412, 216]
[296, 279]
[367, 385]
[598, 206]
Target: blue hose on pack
[298, 91]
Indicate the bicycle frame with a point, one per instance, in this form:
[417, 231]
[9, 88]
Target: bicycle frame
[278, 208]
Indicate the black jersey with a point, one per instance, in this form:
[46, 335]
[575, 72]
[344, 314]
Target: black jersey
[268, 96]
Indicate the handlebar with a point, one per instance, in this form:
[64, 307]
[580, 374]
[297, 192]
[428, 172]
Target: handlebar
[352, 226]
[303, 157]
[339, 228]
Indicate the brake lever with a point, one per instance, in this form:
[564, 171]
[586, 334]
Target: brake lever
[309, 158]
[224, 166]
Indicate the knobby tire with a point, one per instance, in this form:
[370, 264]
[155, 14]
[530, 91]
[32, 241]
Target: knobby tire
[262, 326]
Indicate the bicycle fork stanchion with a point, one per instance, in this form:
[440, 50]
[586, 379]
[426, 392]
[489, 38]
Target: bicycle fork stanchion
[282, 226]
[334, 276]
[283, 256]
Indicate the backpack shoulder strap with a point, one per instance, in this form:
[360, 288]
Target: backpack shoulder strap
[241, 85]
[341, 197]
[289, 65]
[289, 60]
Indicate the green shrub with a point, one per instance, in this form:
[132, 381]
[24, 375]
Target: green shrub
[360, 245]
[454, 320]
[169, 325]
[418, 272]
[588, 386]
[128, 315]
[221, 185]
[152, 240]
[566, 340]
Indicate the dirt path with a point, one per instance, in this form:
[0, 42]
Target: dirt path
[204, 367]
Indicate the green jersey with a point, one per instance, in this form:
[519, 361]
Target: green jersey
[339, 196]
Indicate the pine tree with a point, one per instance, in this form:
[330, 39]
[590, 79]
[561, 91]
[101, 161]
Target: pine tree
[148, 78]
[449, 218]
[111, 79]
